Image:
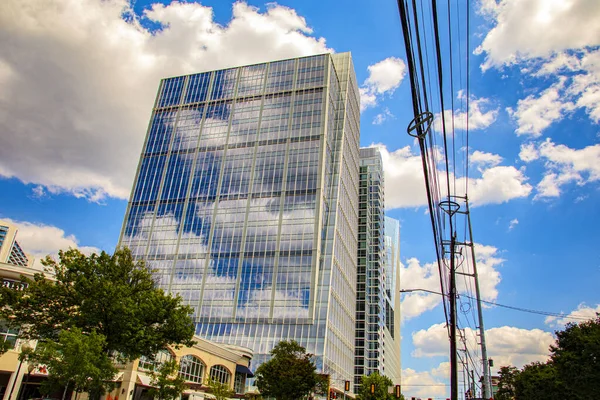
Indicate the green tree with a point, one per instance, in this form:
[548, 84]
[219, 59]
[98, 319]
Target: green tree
[576, 357]
[76, 361]
[290, 374]
[381, 385]
[110, 296]
[506, 383]
[538, 381]
[166, 382]
[220, 390]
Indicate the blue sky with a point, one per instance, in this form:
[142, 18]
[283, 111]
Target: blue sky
[79, 78]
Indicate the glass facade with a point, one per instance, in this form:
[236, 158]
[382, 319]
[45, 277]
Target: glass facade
[393, 366]
[370, 289]
[245, 203]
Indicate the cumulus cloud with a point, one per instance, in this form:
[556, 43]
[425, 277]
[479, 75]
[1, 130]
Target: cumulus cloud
[512, 224]
[582, 311]
[426, 276]
[413, 275]
[86, 78]
[40, 240]
[384, 78]
[551, 39]
[507, 345]
[382, 117]
[537, 28]
[425, 384]
[528, 152]
[405, 185]
[534, 114]
[564, 165]
[478, 117]
[483, 159]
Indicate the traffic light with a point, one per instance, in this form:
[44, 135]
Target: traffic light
[397, 392]
[347, 386]
[372, 388]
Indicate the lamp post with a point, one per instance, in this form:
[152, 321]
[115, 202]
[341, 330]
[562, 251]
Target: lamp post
[24, 347]
[30, 368]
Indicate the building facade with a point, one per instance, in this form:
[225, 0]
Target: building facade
[370, 302]
[10, 250]
[392, 342]
[378, 276]
[245, 203]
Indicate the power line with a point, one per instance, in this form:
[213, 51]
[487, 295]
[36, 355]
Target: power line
[528, 310]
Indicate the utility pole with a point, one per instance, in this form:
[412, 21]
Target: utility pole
[486, 385]
[453, 355]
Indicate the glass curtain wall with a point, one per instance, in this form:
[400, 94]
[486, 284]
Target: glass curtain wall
[238, 200]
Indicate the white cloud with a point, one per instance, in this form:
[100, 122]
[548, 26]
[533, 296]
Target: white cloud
[497, 185]
[86, 79]
[537, 28]
[403, 177]
[382, 117]
[425, 384]
[582, 311]
[413, 275]
[41, 240]
[405, 185]
[566, 165]
[417, 276]
[506, 345]
[384, 78]
[484, 159]
[512, 224]
[548, 38]
[534, 114]
[528, 152]
[478, 119]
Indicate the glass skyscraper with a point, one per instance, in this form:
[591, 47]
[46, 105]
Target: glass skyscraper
[370, 303]
[245, 203]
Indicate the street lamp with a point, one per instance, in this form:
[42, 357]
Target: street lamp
[30, 368]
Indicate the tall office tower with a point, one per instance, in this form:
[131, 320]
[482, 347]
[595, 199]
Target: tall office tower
[10, 250]
[370, 290]
[393, 366]
[245, 203]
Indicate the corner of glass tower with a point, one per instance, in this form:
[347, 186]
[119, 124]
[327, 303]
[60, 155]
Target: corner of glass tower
[245, 203]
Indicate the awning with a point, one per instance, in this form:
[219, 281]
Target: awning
[143, 380]
[242, 369]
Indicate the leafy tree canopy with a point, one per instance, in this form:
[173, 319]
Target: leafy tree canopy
[220, 390]
[289, 375]
[112, 295]
[76, 361]
[166, 382]
[506, 383]
[576, 356]
[572, 372]
[376, 387]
